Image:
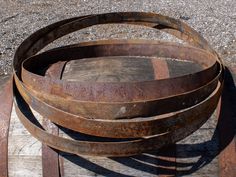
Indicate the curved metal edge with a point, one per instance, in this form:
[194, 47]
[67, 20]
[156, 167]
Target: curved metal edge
[120, 92]
[122, 128]
[123, 148]
[50, 157]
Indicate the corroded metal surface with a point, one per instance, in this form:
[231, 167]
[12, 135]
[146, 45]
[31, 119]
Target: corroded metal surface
[138, 98]
[184, 103]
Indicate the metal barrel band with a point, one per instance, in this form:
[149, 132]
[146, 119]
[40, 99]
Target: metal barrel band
[123, 148]
[50, 157]
[48, 95]
[44, 36]
[123, 128]
[79, 24]
[156, 88]
[151, 90]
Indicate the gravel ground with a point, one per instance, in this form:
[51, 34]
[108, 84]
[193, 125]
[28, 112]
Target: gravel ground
[214, 19]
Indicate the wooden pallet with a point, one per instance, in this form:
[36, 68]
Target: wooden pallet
[210, 151]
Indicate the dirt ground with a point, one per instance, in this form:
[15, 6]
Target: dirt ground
[214, 19]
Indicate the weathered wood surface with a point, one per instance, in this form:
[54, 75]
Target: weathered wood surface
[196, 155]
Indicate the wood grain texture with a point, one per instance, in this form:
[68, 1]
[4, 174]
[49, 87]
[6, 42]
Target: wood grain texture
[24, 151]
[109, 69]
[6, 97]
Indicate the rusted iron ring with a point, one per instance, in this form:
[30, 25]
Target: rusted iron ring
[168, 127]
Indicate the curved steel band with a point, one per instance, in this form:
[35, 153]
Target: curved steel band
[64, 103]
[171, 90]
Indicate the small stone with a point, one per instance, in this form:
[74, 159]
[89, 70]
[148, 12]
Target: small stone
[184, 17]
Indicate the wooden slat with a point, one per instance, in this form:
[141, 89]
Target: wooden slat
[6, 98]
[25, 166]
[24, 151]
[160, 68]
[227, 126]
[109, 69]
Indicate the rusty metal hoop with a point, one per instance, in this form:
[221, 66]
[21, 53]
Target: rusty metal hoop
[169, 127]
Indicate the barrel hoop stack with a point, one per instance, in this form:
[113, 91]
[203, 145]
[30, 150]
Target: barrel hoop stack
[129, 118]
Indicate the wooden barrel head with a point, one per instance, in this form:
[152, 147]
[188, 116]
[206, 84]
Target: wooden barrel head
[125, 69]
[110, 69]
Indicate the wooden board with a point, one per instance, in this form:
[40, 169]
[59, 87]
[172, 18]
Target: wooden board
[196, 155]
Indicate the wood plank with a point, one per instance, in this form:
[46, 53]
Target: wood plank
[6, 97]
[25, 166]
[24, 151]
[109, 69]
[227, 126]
[101, 166]
[197, 154]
